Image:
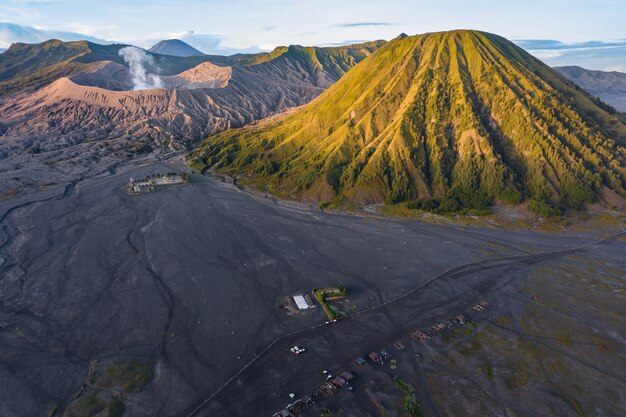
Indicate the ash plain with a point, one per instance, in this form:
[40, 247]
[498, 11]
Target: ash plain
[193, 281]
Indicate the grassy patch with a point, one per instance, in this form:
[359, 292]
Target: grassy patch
[604, 345]
[330, 294]
[11, 192]
[139, 148]
[130, 375]
[409, 398]
[519, 378]
[565, 339]
[577, 407]
[87, 406]
[116, 408]
[487, 370]
[469, 348]
[456, 333]
[543, 207]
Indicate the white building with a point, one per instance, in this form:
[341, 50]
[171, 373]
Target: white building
[301, 302]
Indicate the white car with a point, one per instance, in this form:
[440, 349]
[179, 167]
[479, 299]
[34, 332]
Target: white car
[297, 350]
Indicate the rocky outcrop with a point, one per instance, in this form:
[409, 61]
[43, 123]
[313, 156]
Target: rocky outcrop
[205, 75]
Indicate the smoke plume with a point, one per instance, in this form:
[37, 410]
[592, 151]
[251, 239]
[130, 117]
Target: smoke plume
[139, 64]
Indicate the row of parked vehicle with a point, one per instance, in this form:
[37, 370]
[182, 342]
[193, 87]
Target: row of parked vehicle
[345, 378]
[426, 334]
[328, 389]
[459, 320]
[481, 306]
[297, 350]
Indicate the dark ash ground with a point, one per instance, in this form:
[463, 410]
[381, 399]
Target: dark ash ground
[192, 280]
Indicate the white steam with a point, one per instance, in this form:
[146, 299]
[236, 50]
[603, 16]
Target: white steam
[139, 64]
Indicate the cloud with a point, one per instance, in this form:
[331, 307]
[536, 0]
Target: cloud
[212, 44]
[359, 24]
[617, 68]
[12, 33]
[33, 2]
[598, 55]
[549, 44]
[268, 47]
[209, 44]
[545, 54]
[181, 35]
[29, 2]
[345, 43]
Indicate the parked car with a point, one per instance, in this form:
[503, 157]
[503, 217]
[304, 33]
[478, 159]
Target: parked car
[297, 350]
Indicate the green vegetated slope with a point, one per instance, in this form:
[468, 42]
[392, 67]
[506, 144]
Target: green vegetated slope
[24, 65]
[448, 121]
[335, 61]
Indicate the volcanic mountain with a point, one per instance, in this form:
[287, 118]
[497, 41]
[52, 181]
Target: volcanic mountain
[30, 66]
[58, 94]
[175, 47]
[445, 121]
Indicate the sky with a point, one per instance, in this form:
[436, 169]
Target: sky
[589, 33]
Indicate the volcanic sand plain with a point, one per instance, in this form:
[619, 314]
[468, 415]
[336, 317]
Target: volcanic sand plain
[192, 281]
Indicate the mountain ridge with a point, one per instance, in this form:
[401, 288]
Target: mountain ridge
[200, 96]
[608, 86]
[35, 65]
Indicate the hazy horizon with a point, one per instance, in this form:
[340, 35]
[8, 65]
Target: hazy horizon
[585, 33]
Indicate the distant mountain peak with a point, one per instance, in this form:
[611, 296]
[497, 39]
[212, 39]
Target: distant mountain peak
[175, 47]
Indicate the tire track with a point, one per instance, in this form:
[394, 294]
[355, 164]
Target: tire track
[166, 295]
[67, 191]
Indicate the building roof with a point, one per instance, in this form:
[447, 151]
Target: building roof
[339, 381]
[347, 375]
[300, 302]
